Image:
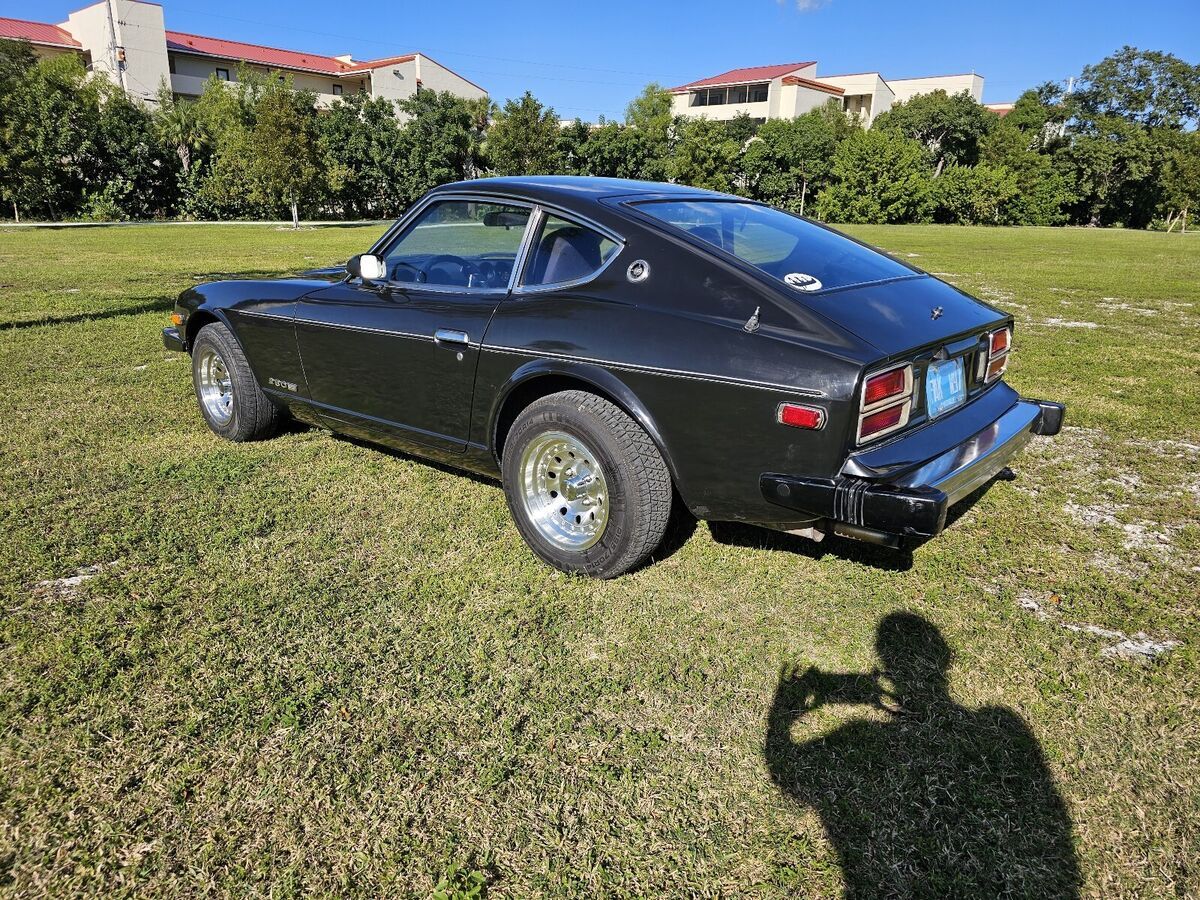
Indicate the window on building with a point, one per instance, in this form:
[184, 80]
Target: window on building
[171, 64]
[223, 74]
[758, 93]
[737, 94]
[716, 96]
[337, 90]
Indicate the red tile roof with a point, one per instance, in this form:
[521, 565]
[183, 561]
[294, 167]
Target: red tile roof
[272, 57]
[743, 76]
[379, 63]
[815, 85]
[182, 42]
[36, 33]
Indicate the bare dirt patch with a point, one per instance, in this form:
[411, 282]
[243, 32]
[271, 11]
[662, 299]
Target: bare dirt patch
[65, 589]
[1138, 646]
[1062, 323]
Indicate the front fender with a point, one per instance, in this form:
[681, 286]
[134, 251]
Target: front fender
[197, 311]
[260, 314]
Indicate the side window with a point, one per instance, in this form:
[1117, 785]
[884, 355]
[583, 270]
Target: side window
[465, 244]
[565, 252]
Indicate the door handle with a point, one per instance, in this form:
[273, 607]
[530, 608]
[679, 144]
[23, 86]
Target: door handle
[450, 336]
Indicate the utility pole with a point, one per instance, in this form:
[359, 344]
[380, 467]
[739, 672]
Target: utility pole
[118, 52]
[1062, 127]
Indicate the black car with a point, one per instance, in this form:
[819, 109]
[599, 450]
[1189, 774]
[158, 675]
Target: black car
[610, 348]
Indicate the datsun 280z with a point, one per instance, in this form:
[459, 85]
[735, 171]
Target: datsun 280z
[612, 348]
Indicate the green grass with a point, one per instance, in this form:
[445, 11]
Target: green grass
[308, 666]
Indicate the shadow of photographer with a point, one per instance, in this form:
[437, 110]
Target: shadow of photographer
[927, 797]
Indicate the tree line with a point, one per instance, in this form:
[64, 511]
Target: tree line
[1121, 148]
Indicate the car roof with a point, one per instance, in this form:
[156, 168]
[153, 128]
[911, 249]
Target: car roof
[568, 188]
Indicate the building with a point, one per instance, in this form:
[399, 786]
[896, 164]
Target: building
[792, 89]
[128, 41]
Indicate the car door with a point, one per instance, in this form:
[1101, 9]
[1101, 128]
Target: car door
[399, 355]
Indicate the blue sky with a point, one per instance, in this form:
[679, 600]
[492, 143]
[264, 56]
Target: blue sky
[588, 59]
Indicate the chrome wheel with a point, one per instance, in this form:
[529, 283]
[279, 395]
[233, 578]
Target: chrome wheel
[563, 490]
[215, 387]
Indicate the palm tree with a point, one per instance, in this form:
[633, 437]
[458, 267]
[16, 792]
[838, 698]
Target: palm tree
[175, 121]
[482, 111]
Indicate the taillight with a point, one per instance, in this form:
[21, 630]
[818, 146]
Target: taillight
[880, 387]
[800, 416]
[884, 420]
[999, 343]
[886, 402]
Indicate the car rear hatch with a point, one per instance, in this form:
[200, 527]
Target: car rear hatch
[902, 315]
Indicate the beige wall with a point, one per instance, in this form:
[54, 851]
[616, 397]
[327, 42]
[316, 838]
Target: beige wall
[782, 101]
[867, 94]
[139, 29]
[398, 81]
[192, 73]
[41, 51]
[723, 111]
[796, 100]
[907, 88]
[436, 77]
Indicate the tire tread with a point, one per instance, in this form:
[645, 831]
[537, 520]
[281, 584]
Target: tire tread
[255, 417]
[651, 492]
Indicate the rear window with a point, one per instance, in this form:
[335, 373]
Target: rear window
[799, 253]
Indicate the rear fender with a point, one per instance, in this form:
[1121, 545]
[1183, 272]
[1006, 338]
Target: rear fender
[555, 372]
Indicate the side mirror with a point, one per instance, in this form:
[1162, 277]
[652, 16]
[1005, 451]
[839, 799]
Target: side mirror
[366, 267]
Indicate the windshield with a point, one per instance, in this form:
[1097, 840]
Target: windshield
[799, 253]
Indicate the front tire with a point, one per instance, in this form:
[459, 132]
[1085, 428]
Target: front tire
[230, 400]
[586, 486]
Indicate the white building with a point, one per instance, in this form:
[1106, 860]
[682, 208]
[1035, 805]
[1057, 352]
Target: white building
[792, 89]
[128, 40]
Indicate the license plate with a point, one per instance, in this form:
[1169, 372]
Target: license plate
[945, 387]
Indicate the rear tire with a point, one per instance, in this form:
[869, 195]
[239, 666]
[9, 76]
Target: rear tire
[230, 400]
[586, 486]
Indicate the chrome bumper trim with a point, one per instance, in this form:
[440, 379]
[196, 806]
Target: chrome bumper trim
[963, 468]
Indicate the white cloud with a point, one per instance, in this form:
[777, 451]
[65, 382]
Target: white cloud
[807, 5]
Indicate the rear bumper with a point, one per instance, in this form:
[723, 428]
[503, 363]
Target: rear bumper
[913, 503]
[173, 340]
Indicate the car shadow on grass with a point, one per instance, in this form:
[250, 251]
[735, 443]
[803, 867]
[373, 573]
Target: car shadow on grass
[445, 468]
[158, 304]
[680, 527]
[878, 557]
[926, 797]
[739, 534]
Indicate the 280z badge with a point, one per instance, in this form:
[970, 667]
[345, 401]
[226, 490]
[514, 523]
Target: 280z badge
[802, 281]
[279, 383]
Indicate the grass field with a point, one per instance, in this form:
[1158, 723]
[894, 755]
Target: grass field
[308, 666]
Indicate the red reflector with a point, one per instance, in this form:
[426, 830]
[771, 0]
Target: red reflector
[999, 341]
[800, 416]
[880, 387]
[882, 420]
